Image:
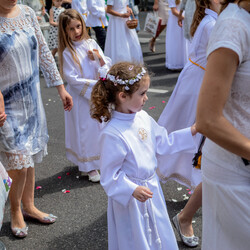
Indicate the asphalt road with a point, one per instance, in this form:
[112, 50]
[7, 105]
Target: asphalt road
[82, 222]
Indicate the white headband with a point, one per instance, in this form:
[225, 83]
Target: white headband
[127, 82]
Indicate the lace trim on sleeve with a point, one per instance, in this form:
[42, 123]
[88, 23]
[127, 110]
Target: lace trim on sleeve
[46, 60]
[84, 89]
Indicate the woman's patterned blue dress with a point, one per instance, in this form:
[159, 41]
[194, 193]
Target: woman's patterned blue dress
[24, 136]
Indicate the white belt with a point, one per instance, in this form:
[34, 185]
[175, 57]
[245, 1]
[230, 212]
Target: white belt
[148, 202]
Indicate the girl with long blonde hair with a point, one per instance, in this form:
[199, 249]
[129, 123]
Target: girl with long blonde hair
[80, 59]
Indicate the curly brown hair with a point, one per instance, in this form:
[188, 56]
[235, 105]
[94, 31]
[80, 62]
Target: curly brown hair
[104, 93]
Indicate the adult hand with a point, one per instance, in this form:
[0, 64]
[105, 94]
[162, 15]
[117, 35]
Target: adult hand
[65, 97]
[3, 118]
[142, 193]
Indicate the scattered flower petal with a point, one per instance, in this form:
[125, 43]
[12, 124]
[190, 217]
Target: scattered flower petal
[187, 189]
[163, 101]
[153, 107]
[49, 100]
[38, 187]
[174, 200]
[66, 191]
[185, 198]
[189, 192]
[77, 177]
[68, 173]
[59, 177]
[179, 188]
[193, 221]
[46, 104]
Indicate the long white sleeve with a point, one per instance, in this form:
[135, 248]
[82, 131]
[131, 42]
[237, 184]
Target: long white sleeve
[81, 85]
[113, 179]
[95, 9]
[177, 141]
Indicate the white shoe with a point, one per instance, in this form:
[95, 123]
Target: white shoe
[192, 241]
[94, 178]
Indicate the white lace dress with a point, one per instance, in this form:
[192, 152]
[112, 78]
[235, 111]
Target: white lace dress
[226, 180]
[24, 136]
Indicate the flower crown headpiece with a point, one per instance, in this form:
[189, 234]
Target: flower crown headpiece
[116, 80]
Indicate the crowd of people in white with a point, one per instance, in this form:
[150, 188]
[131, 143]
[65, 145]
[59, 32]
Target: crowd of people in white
[108, 135]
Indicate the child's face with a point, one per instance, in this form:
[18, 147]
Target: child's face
[57, 3]
[74, 30]
[135, 103]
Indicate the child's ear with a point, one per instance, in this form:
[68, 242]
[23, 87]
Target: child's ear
[122, 96]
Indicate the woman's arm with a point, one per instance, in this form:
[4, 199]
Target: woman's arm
[210, 121]
[115, 13]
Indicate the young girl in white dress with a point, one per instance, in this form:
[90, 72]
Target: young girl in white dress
[122, 43]
[80, 58]
[130, 142]
[54, 13]
[176, 45]
[180, 112]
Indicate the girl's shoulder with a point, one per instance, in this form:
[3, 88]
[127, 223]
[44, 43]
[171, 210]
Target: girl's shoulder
[66, 52]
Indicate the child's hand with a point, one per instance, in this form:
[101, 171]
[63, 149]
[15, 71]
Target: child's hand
[193, 129]
[180, 19]
[142, 193]
[91, 55]
[94, 55]
[129, 10]
[126, 15]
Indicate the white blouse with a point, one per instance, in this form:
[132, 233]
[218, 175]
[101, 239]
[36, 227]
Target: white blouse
[232, 31]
